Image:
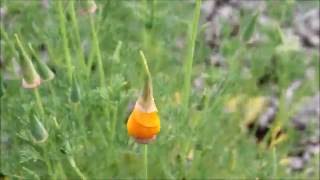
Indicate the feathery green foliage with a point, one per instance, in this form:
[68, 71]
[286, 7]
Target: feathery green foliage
[98, 55]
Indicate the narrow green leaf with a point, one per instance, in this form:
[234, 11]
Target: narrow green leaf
[250, 27]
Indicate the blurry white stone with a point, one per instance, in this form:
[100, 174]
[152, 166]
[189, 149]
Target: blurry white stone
[207, 6]
[307, 26]
[199, 83]
[291, 90]
[45, 4]
[313, 148]
[216, 59]
[296, 163]
[3, 11]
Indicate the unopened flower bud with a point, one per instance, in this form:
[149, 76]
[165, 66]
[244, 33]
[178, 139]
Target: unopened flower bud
[45, 72]
[38, 131]
[144, 122]
[31, 79]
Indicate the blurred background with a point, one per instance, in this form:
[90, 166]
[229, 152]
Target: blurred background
[251, 108]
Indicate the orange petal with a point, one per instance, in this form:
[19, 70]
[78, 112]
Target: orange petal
[139, 127]
[146, 119]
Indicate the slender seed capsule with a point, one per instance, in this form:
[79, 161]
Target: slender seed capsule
[144, 122]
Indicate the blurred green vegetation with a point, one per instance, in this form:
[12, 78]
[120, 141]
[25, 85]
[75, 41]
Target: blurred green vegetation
[204, 142]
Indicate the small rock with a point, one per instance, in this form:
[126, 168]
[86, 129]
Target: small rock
[308, 111]
[217, 60]
[199, 83]
[269, 114]
[291, 90]
[296, 163]
[180, 43]
[313, 148]
[307, 26]
[45, 4]
[3, 12]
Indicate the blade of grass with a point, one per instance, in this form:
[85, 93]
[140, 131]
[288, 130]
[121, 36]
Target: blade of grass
[190, 57]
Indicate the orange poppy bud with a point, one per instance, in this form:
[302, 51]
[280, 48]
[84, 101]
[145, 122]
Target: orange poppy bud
[144, 122]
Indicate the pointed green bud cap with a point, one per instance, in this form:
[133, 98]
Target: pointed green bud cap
[31, 79]
[146, 101]
[75, 94]
[45, 72]
[38, 131]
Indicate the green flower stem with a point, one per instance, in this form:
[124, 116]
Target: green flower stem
[114, 123]
[52, 91]
[234, 159]
[39, 102]
[76, 111]
[65, 40]
[193, 31]
[60, 170]
[77, 35]
[89, 64]
[190, 56]
[146, 161]
[32, 173]
[75, 167]
[97, 50]
[152, 13]
[275, 162]
[47, 160]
